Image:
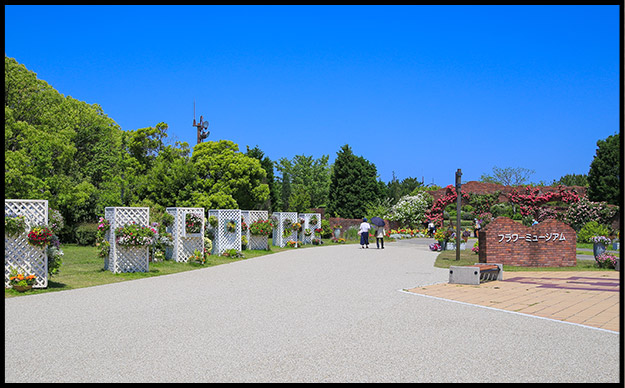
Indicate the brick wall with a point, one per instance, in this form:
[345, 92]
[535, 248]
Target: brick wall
[347, 222]
[550, 243]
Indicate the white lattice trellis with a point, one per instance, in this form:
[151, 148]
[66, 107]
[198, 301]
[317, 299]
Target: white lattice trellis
[308, 224]
[222, 238]
[250, 216]
[185, 243]
[279, 239]
[18, 253]
[126, 259]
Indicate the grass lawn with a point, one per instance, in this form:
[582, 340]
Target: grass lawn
[83, 268]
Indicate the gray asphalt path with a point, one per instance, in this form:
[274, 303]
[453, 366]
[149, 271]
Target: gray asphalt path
[323, 314]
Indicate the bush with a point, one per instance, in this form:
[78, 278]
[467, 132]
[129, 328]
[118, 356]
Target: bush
[592, 228]
[86, 234]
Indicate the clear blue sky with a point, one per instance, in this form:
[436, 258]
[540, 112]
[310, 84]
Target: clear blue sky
[418, 90]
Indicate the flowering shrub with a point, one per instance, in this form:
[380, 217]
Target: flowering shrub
[55, 256]
[476, 248]
[193, 223]
[134, 235]
[317, 241]
[339, 240]
[14, 225]
[261, 228]
[435, 213]
[56, 220]
[443, 235]
[292, 244]
[197, 257]
[410, 210]
[605, 260]
[40, 236]
[600, 240]
[531, 198]
[580, 213]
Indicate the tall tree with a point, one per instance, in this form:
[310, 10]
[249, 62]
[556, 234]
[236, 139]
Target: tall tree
[508, 176]
[267, 165]
[353, 184]
[604, 183]
[226, 178]
[305, 182]
[572, 180]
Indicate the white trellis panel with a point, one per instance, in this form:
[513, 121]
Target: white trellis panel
[279, 239]
[18, 252]
[250, 216]
[223, 239]
[185, 243]
[126, 259]
[308, 224]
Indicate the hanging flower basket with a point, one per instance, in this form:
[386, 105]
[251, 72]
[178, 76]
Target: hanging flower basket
[193, 223]
[261, 228]
[231, 226]
[134, 235]
[40, 236]
[14, 225]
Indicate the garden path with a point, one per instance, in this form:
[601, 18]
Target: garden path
[321, 314]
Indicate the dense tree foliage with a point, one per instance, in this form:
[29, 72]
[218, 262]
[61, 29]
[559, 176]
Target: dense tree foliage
[303, 183]
[353, 184]
[604, 183]
[70, 153]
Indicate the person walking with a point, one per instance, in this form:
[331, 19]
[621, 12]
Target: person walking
[379, 237]
[364, 233]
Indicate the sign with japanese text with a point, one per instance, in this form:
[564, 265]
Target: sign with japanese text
[550, 243]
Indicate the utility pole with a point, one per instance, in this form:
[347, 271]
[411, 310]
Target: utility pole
[458, 200]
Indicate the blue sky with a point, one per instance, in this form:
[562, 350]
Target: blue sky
[418, 90]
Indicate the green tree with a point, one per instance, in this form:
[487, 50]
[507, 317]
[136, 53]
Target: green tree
[508, 176]
[227, 178]
[604, 183]
[171, 179]
[305, 182]
[270, 180]
[353, 184]
[572, 180]
[57, 148]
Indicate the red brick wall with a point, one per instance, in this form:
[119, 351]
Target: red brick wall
[506, 241]
[347, 222]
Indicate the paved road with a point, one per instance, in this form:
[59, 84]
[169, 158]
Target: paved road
[323, 314]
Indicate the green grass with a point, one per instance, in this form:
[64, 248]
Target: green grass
[446, 259]
[83, 268]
